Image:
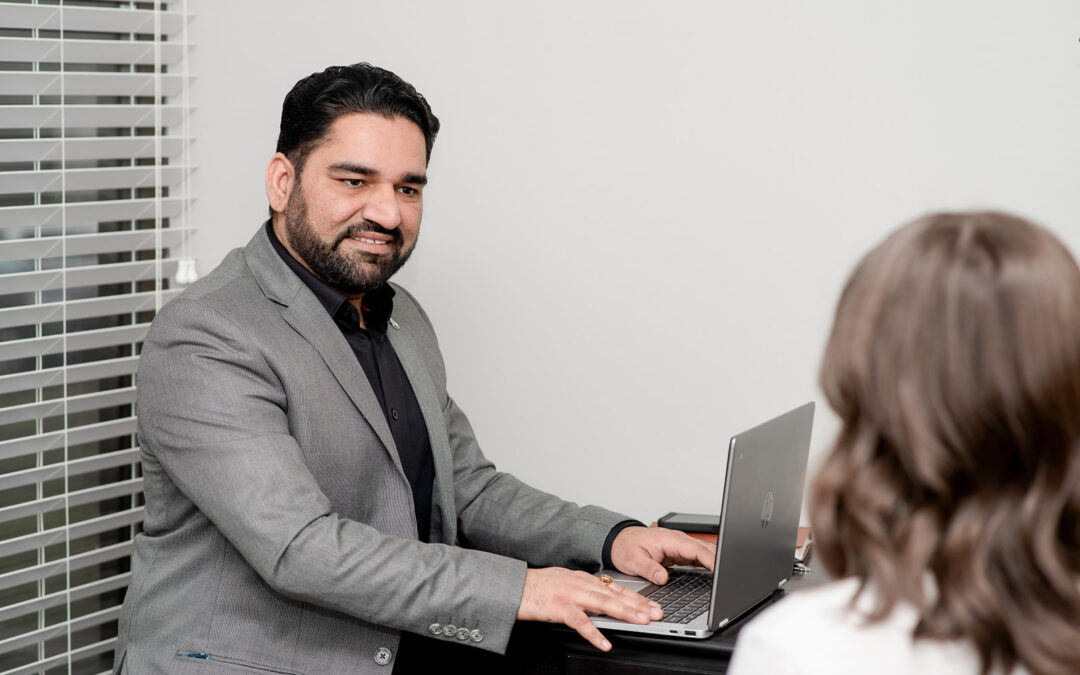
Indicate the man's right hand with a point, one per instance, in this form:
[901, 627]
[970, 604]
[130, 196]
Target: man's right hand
[564, 596]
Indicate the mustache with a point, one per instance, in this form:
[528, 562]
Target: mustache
[356, 229]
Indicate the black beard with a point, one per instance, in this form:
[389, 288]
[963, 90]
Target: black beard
[358, 273]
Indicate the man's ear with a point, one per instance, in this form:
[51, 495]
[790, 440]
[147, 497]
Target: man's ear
[280, 175]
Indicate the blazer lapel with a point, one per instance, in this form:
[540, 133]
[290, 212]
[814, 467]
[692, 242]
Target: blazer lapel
[431, 407]
[307, 317]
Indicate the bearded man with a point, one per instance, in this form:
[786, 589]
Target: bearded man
[312, 491]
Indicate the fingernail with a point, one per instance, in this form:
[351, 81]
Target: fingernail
[658, 578]
[605, 645]
[654, 604]
[657, 613]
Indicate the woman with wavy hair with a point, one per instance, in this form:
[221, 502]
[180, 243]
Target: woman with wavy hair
[948, 508]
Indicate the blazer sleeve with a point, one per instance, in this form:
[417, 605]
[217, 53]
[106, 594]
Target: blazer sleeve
[212, 413]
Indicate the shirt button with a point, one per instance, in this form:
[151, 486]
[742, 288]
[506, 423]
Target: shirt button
[463, 633]
[383, 656]
[393, 413]
[449, 630]
[476, 635]
[435, 628]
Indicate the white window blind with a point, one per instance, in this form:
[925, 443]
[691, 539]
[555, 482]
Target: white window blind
[94, 162]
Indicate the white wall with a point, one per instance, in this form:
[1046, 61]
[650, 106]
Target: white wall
[640, 217]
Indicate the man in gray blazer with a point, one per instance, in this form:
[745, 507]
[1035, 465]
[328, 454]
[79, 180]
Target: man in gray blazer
[312, 491]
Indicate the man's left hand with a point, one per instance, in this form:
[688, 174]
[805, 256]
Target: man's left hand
[646, 551]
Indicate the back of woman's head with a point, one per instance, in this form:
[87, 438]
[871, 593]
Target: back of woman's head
[954, 366]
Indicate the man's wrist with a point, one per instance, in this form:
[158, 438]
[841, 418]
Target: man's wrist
[619, 527]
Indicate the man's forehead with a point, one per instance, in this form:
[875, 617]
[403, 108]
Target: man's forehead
[369, 139]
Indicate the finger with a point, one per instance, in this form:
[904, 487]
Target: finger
[649, 565]
[638, 602]
[684, 549]
[704, 553]
[622, 603]
[580, 622]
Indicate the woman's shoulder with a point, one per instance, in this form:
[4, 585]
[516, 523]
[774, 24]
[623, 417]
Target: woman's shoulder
[824, 630]
[810, 609]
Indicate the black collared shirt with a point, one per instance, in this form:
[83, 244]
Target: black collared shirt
[385, 374]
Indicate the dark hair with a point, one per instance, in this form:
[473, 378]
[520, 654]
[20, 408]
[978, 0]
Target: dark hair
[954, 366]
[316, 101]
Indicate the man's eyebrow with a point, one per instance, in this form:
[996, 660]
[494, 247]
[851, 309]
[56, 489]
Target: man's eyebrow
[354, 168]
[414, 178]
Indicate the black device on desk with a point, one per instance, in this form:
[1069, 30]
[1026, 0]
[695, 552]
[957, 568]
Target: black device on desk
[698, 523]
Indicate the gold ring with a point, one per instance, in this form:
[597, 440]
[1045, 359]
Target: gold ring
[605, 580]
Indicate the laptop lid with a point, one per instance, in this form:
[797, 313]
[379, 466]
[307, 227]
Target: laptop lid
[759, 518]
[760, 505]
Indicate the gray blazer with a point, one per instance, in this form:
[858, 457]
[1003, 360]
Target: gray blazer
[279, 533]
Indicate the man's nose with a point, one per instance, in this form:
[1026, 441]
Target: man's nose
[382, 207]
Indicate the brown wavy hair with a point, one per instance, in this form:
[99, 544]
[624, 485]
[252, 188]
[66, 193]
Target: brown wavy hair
[954, 366]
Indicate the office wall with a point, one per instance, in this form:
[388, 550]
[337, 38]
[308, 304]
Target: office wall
[640, 214]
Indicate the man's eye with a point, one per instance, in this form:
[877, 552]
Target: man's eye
[352, 182]
[408, 191]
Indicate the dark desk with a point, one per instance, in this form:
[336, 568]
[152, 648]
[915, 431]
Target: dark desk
[548, 649]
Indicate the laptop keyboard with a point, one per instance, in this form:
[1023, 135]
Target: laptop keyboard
[684, 597]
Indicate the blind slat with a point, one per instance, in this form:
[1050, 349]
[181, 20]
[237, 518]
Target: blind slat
[61, 659]
[38, 667]
[92, 116]
[69, 149]
[87, 244]
[58, 598]
[79, 498]
[87, 433]
[92, 19]
[85, 275]
[31, 445]
[78, 83]
[75, 373]
[98, 400]
[80, 309]
[85, 528]
[91, 212]
[19, 49]
[76, 467]
[103, 20]
[49, 632]
[75, 562]
[100, 431]
[81, 652]
[91, 339]
[25, 249]
[23, 182]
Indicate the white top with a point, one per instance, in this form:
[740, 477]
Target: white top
[815, 631]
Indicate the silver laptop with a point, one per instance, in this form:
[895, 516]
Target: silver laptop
[759, 522]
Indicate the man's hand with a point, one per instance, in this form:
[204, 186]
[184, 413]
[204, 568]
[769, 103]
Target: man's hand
[564, 596]
[646, 551]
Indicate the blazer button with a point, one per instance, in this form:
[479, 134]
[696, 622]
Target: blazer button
[383, 656]
[476, 635]
[463, 633]
[449, 630]
[435, 628]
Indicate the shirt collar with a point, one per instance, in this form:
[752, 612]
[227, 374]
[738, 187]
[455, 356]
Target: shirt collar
[377, 304]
